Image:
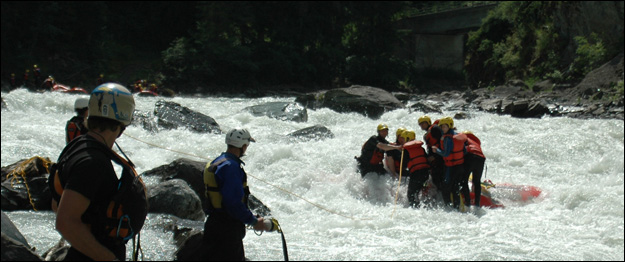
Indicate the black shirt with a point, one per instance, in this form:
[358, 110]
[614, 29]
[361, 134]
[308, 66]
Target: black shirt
[92, 174]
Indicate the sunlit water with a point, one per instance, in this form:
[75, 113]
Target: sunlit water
[577, 163]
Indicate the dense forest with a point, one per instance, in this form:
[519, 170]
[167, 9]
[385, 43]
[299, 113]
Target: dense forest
[208, 46]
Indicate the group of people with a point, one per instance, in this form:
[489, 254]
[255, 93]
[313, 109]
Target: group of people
[37, 80]
[99, 208]
[449, 159]
[26, 80]
[142, 85]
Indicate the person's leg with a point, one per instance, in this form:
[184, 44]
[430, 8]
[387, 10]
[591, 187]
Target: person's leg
[224, 241]
[477, 167]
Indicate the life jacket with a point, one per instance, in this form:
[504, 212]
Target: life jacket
[124, 216]
[377, 156]
[429, 139]
[474, 145]
[457, 153]
[418, 159]
[213, 190]
[74, 129]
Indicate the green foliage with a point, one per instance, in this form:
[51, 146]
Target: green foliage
[515, 41]
[618, 91]
[531, 81]
[589, 55]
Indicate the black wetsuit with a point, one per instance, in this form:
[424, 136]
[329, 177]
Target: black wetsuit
[368, 150]
[474, 164]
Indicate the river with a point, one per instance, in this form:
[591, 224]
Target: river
[578, 165]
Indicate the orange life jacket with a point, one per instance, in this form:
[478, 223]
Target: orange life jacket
[457, 153]
[417, 154]
[73, 130]
[474, 145]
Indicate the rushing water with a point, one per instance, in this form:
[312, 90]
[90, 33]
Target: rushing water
[577, 163]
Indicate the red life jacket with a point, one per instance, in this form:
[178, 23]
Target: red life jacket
[377, 156]
[417, 154]
[457, 153]
[73, 130]
[474, 145]
[429, 140]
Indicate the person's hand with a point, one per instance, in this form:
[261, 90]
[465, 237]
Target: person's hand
[435, 149]
[260, 225]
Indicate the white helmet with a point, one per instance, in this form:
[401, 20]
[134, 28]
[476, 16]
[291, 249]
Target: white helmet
[238, 137]
[112, 101]
[81, 102]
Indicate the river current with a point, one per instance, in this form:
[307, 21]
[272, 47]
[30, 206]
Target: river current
[578, 165]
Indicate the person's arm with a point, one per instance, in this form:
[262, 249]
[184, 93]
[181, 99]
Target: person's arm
[388, 147]
[70, 226]
[449, 146]
[230, 178]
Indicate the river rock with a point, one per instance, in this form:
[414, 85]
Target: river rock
[13, 250]
[192, 172]
[26, 187]
[10, 230]
[172, 115]
[366, 100]
[313, 132]
[280, 110]
[175, 197]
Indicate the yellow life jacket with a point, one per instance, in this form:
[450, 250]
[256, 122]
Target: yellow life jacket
[213, 191]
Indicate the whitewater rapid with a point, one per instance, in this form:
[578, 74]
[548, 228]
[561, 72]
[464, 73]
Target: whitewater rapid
[577, 163]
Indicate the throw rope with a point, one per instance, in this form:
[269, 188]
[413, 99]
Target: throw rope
[274, 186]
[20, 171]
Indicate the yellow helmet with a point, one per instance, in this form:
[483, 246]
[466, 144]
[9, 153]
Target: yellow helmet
[447, 121]
[467, 132]
[35, 66]
[27, 70]
[400, 131]
[408, 135]
[425, 119]
[382, 127]
[101, 75]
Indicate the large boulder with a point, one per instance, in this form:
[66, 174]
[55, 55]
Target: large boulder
[14, 245]
[24, 185]
[172, 115]
[175, 197]
[11, 231]
[281, 110]
[13, 250]
[313, 132]
[146, 120]
[366, 100]
[188, 170]
[192, 172]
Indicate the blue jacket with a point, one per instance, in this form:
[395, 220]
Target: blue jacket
[448, 144]
[230, 177]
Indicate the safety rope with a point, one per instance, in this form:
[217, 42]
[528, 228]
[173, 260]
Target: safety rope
[262, 180]
[401, 168]
[20, 171]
